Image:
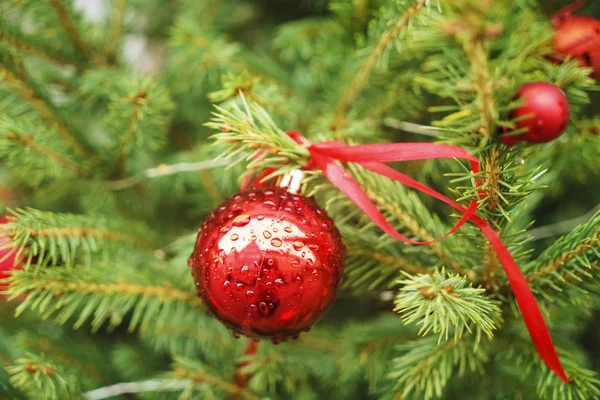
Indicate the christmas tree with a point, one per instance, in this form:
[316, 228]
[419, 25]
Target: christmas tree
[125, 123]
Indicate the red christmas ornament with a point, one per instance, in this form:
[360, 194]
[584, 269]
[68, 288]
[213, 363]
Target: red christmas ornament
[268, 263]
[578, 36]
[8, 257]
[543, 116]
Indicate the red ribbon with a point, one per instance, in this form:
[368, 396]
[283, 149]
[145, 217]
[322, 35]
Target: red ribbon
[326, 156]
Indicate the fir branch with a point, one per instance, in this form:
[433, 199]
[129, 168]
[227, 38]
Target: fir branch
[31, 152]
[139, 113]
[113, 38]
[69, 27]
[126, 142]
[102, 295]
[28, 142]
[196, 373]
[570, 262]
[252, 131]
[43, 109]
[583, 383]
[426, 368]
[43, 379]
[441, 302]
[419, 231]
[66, 238]
[360, 80]
[18, 41]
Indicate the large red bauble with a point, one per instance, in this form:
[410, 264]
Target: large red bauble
[268, 263]
[578, 36]
[8, 258]
[543, 116]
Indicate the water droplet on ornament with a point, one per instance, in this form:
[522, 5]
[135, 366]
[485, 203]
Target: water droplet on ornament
[260, 217]
[229, 270]
[298, 245]
[270, 262]
[249, 295]
[252, 238]
[268, 192]
[235, 335]
[278, 282]
[269, 202]
[276, 340]
[227, 286]
[267, 234]
[288, 229]
[234, 237]
[244, 270]
[239, 287]
[225, 229]
[298, 279]
[313, 246]
[241, 220]
[294, 263]
[253, 307]
[310, 261]
[191, 261]
[264, 309]
[326, 225]
[276, 242]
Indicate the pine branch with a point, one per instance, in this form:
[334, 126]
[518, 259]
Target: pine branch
[100, 294]
[442, 302]
[43, 108]
[426, 368]
[360, 80]
[196, 373]
[49, 238]
[43, 379]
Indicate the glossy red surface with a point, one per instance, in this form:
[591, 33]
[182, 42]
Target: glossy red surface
[8, 261]
[579, 37]
[268, 263]
[543, 116]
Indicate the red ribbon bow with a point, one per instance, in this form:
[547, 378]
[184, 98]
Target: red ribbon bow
[326, 156]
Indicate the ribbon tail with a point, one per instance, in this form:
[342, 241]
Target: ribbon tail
[534, 321]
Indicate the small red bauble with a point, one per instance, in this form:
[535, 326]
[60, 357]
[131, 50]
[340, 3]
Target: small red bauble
[543, 116]
[8, 257]
[268, 263]
[578, 36]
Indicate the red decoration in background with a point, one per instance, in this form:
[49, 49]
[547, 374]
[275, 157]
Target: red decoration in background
[578, 36]
[268, 263]
[8, 257]
[543, 116]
